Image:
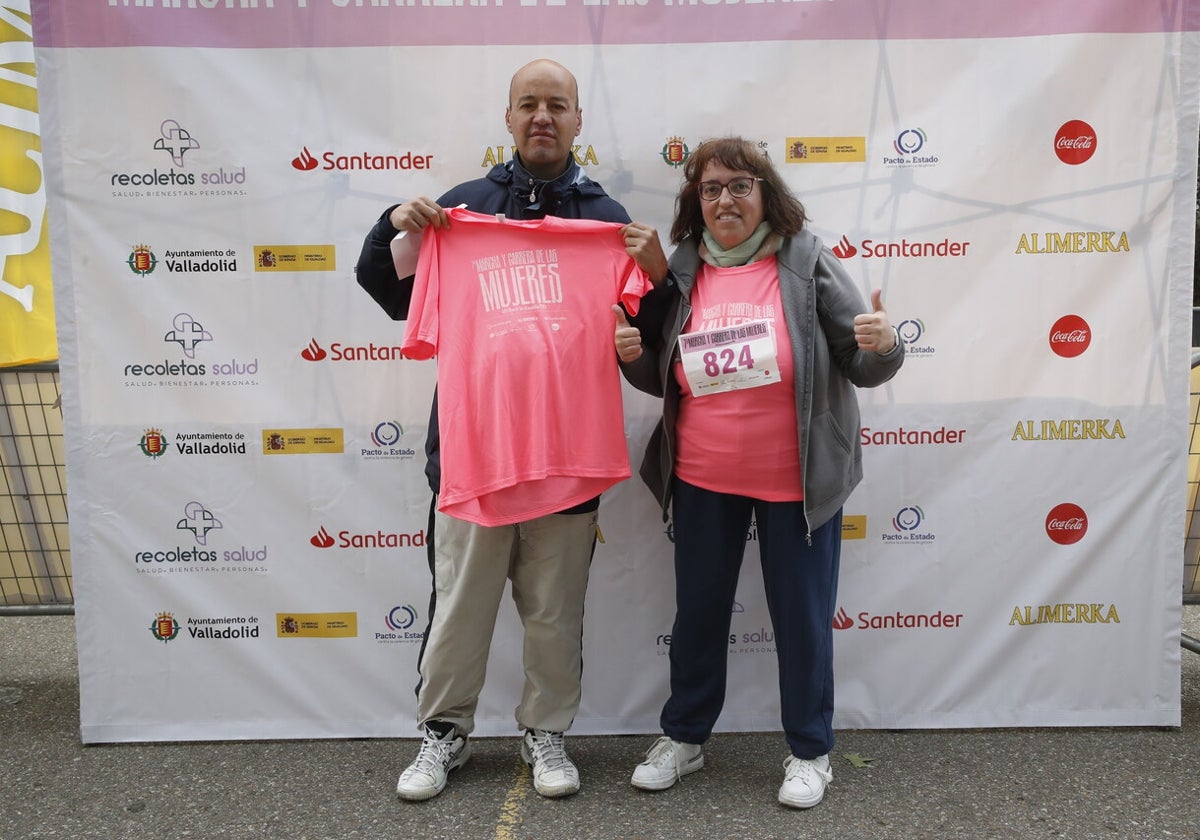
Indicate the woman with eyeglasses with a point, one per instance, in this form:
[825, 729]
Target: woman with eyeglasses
[763, 341]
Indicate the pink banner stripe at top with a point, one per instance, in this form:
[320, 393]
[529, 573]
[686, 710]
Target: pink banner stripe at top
[358, 23]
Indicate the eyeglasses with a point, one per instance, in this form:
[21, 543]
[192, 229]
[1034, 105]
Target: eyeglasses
[738, 188]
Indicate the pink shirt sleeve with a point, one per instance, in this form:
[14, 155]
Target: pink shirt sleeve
[421, 331]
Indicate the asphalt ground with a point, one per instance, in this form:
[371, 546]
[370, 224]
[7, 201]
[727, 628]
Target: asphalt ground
[980, 783]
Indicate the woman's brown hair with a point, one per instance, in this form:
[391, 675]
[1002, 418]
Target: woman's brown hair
[781, 210]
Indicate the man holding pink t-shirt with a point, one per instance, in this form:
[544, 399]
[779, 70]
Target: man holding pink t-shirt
[546, 556]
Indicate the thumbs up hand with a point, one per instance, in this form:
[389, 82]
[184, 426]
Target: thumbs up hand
[628, 339]
[872, 330]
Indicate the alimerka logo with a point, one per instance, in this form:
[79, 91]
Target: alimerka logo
[1064, 614]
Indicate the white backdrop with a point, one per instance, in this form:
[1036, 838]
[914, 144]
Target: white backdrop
[244, 443]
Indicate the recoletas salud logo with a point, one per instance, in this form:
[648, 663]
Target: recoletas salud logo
[210, 549]
[192, 370]
[179, 168]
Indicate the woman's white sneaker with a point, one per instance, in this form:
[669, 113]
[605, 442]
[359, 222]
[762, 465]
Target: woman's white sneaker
[667, 761]
[804, 781]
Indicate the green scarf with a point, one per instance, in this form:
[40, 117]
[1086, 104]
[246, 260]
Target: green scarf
[756, 246]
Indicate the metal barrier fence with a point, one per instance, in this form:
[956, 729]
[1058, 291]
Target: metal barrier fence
[35, 555]
[1191, 543]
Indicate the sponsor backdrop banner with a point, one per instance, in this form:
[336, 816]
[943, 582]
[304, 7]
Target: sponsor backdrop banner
[248, 509]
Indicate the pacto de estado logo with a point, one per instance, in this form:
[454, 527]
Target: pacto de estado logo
[1066, 523]
[401, 617]
[909, 141]
[908, 518]
[909, 146]
[1075, 142]
[916, 344]
[907, 525]
[1070, 336]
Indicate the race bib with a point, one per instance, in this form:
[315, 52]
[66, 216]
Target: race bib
[729, 358]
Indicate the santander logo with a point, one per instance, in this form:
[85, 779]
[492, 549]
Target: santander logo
[842, 621]
[1066, 523]
[1070, 336]
[305, 161]
[313, 352]
[1075, 142]
[844, 250]
[322, 539]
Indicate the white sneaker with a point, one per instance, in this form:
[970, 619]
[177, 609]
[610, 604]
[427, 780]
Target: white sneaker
[804, 781]
[425, 778]
[554, 774]
[666, 763]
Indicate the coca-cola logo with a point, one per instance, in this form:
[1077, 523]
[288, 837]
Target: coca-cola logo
[1075, 142]
[1066, 523]
[1070, 336]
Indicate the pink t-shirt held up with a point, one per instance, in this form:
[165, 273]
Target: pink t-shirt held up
[519, 316]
